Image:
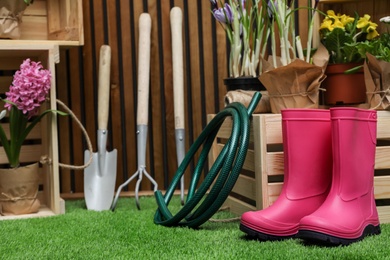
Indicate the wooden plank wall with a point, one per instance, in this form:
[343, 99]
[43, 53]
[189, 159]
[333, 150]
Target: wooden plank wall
[205, 66]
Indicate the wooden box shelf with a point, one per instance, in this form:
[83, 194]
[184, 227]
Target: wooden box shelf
[57, 21]
[261, 179]
[43, 140]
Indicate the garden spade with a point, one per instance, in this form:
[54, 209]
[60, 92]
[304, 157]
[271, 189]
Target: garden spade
[100, 175]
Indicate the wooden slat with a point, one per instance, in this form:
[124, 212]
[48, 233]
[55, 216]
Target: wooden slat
[5, 82]
[274, 190]
[33, 135]
[273, 126]
[382, 157]
[128, 53]
[275, 163]
[383, 125]
[382, 187]
[384, 214]
[44, 211]
[237, 206]
[249, 163]
[245, 186]
[28, 153]
[226, 130]
[64, 124]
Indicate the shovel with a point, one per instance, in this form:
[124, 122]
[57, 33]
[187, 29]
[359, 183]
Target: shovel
[178, 89]
[100, 175]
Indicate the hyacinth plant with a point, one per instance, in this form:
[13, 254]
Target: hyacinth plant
[30, 86]
[244, 23]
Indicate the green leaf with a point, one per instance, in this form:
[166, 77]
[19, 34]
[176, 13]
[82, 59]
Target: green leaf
[351, 53]
[37, 119]
[335, 42]
[18, 122]
[5, 142]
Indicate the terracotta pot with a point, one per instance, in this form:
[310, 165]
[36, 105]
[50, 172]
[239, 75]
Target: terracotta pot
[244, 83]
[19, 190]
[341, 88]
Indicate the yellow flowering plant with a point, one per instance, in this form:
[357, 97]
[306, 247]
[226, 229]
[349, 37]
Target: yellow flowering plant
[347, 38]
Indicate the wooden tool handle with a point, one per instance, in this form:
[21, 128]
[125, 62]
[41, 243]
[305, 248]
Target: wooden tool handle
[176, 18]
[104, 86]
[145, 25]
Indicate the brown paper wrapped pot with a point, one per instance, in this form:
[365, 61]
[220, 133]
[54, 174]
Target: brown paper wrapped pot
[19, 190]
[377, 81]
[295, 85]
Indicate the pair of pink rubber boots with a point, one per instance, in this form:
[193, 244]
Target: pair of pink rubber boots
[327, 195]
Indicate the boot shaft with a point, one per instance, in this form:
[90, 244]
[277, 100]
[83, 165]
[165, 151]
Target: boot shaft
[307, 152]
[353, 146]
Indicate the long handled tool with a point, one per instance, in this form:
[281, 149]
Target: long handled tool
[178, 88]
[100, 175]
[142, 106]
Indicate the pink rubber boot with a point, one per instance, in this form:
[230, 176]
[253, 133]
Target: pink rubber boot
[349, 212]
[307, 175]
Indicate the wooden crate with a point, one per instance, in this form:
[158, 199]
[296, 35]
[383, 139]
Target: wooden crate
[43, 139]
[261, 179]
[58, 21]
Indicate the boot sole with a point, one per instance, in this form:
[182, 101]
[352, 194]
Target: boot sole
[253, 234]
[322, 238]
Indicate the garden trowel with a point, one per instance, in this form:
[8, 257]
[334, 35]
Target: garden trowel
[100, 175]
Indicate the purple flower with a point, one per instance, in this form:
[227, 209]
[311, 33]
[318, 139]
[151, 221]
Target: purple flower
[224, 15]
[214, 4]
[316, 5]
[272, 8]
[29, 88]
[243, 4]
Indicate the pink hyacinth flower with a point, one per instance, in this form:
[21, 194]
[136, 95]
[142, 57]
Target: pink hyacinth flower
[29, 88]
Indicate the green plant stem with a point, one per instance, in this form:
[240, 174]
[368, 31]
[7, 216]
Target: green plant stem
[309, 40]
[353, 70]
[18, 122]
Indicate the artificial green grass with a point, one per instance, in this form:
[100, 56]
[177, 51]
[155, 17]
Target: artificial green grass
[129, 233]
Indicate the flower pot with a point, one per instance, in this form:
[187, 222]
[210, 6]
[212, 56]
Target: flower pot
[19, 190]
[295, 85]
[11, 12]
[244, 83]
[341, 88]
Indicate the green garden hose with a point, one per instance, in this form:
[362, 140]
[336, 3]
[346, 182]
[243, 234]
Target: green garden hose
[226, 167]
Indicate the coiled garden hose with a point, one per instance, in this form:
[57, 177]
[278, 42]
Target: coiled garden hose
[226, 167]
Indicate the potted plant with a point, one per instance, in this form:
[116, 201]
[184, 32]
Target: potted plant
[244, 23]
[11, 12]
[293, 75]
[347, 40]
[377, 70]
[19, 183]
